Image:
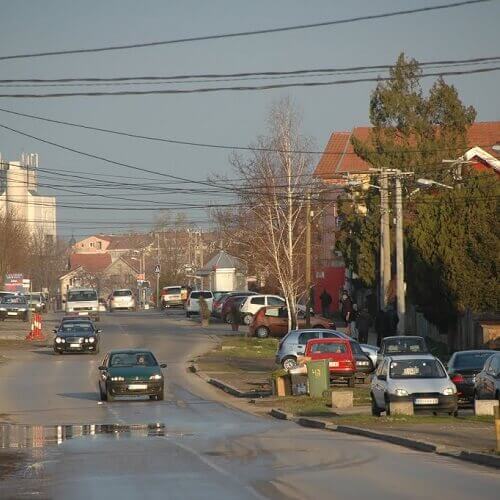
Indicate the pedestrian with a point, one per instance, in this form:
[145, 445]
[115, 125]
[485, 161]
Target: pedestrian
[363, 324]
[326, 302]
[347, 310]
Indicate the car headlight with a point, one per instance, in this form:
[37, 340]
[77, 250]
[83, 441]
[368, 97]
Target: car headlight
[449, 391]
[58, 340]
[2, 309]
[91, 340]
[117, 379]
[401, 392]
[158, 376]
[22, 309]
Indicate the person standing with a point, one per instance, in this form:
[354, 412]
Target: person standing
[347, 310]
[363, 325]
[326, 302]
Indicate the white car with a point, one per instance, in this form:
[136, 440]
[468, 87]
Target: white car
[193, 302]
[418, 378]
[253, 303]
[122, 299]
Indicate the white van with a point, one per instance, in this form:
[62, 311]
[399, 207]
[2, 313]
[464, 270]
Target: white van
[83, 301]
[193, 301]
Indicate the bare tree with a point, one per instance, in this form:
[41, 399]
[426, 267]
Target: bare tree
[14, 245]
[275, 181]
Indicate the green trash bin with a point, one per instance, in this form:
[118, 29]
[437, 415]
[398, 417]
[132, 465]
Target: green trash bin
[318, 375]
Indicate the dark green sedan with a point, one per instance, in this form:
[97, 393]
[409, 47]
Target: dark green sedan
[131, 372]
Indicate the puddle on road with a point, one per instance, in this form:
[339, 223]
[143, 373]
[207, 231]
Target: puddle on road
[36, 436]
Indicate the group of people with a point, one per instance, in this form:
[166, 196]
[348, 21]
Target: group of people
[360, 322]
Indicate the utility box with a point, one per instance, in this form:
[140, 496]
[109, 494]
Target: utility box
[318, 376]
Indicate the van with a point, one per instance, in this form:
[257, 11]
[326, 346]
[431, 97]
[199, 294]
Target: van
[83, 302]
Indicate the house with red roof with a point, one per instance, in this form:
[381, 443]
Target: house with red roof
[340, 160]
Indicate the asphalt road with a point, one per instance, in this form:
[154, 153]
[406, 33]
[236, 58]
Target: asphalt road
[60, 442]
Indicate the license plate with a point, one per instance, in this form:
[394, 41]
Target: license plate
[426, 401]
[75, 345]
[13, 313]
[334, 363]
[83, 313]
[137, 387]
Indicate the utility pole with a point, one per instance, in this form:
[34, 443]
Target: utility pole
[385, 240]
[308, 260]
[400, 265]
[158, 274]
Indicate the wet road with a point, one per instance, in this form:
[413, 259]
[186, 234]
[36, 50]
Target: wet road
[191, 445]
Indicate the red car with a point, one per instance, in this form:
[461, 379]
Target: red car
[339, 354]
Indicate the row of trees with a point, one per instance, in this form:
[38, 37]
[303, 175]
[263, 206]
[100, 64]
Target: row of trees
[451, 236]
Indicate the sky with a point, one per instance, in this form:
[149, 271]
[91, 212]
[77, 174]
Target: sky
[222, 118]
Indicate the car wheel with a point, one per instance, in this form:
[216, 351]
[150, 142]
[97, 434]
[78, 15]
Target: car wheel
[351, 382]
[375, 409]
[102, 394]
[109, 396]
[262, 332]
[289, 362]
[453, 413]
[247, 319]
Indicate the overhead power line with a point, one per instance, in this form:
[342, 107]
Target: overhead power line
[217, 76]
[265, 31]
[242, 88]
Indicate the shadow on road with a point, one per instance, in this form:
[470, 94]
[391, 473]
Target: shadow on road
[90, 396]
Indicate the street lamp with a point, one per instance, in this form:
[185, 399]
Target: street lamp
[430, 182]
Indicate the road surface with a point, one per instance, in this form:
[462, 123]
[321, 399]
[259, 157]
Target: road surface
[58, 441]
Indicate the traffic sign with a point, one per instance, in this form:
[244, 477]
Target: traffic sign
[157, 269]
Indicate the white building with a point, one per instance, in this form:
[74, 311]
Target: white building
[18, 196]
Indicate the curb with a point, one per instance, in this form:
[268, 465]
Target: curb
[229, 389]
[423, 446]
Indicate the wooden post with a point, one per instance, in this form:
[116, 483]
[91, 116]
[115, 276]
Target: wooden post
[496, 411]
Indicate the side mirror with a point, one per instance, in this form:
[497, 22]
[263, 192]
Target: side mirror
[101, 368]
[98, 331]
[163, 365]
[54, 330]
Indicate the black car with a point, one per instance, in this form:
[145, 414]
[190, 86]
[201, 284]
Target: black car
[488, 379]
[463, 368]
[76, 336]
[131, 372]
[14, 306]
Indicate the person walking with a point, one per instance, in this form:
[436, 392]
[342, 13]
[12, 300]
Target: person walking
[326, 302]
[363, 324]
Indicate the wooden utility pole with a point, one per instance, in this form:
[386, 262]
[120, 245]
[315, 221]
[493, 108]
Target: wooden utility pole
[308, 260]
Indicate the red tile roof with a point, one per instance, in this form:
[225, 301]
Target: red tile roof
[339, 156]
[91, 262]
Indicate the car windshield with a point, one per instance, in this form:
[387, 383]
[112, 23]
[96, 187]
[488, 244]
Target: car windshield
[416, 368]
[82, 295]
[197, 295]
[328, 347]
[173, 290]
[81, 328]
[471, 360]
[133, 359]
[122, 293]
[13, 299]
[404, 345]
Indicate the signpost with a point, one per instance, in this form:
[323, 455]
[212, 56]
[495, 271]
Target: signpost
[157, 272]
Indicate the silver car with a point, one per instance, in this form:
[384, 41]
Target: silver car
[420, 379]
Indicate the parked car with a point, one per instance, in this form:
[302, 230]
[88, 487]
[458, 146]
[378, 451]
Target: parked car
[173, 296]
[340, 357]
[227, 304]
[418, 378]
[76, 336]
[37, 301]
[487, 384]
[293, 345]
[401, 345]
[253, 303]
[219, 303]
[122, 299]
[131, 372]
[14, 307]
[192, 305]
[273, 321]
[463, 368]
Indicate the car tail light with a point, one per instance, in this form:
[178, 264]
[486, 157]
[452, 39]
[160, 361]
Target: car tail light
[457, 379]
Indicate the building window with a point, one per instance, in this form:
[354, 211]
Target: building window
[99, 245]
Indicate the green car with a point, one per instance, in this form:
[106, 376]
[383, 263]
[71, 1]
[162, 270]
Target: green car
[131, 372]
